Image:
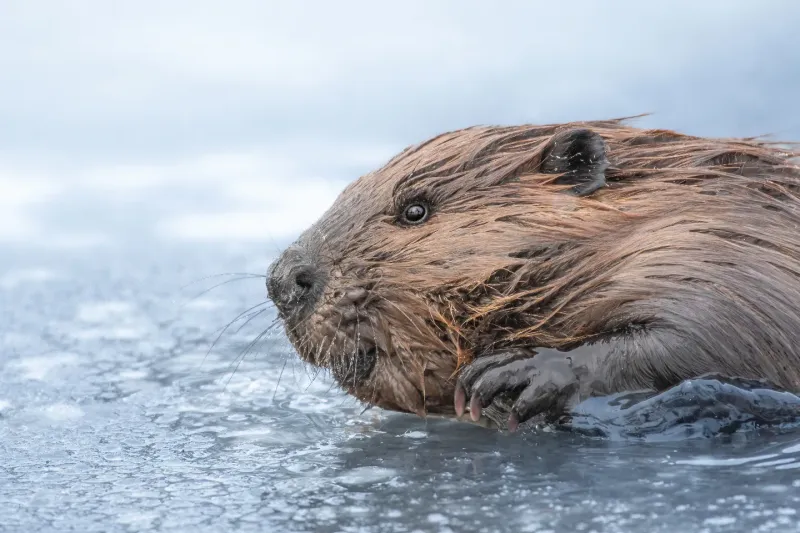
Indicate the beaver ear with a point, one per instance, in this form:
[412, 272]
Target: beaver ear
[580, 155]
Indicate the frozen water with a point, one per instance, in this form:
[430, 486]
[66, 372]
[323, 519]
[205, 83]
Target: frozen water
[113, 417]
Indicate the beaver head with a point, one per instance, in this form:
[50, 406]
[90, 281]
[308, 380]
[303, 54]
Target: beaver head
[495, 237]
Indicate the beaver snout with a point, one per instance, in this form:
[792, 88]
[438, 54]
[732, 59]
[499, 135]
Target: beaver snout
[294, 282]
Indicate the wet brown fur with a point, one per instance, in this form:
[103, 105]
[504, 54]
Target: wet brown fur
[690, 255]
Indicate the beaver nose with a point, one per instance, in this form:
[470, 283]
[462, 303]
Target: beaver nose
[293, 282]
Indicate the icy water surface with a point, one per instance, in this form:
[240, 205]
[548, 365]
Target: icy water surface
[112, 418]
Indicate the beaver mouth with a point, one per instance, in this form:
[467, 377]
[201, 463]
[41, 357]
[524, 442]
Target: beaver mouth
[383, 357]
[342, 340]
[353, 369]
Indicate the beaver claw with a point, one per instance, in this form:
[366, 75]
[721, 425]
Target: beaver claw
[536, 382]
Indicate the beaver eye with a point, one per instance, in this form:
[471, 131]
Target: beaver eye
[415, 213]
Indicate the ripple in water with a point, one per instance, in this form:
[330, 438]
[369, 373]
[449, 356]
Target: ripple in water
[706, 407]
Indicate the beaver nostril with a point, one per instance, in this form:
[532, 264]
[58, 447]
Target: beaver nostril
[294, 282]
[304, 279]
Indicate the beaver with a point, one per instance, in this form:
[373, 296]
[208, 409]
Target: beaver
[509, 272]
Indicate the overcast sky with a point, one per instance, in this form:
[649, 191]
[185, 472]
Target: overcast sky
[243, 119]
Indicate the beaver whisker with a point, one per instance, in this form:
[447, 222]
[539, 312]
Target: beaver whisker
[266, 330]
[305, 365]
[401, 359]
[352, 369]
[229, 324]
[350, 398]
[305, 340]
[241, 276]
[422, 386]
[244, 354]
[331, 346]
[324, 363]
[315, 371]
[356, 348]
[246, 349]
[250, 316]
[320, 345]
[291, 331]
[387, 343]
[280, 375]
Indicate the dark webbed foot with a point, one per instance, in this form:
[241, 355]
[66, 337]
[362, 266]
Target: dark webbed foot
[543, 382]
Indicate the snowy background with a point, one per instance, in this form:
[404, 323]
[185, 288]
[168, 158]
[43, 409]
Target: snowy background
[243, 120]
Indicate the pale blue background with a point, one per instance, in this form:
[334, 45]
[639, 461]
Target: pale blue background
[243, 119]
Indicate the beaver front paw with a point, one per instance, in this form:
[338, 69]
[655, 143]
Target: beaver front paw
[537, 383]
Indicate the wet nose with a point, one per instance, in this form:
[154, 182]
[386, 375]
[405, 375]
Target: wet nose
[293, 282]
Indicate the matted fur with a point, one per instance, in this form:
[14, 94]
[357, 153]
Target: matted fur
[690, 255]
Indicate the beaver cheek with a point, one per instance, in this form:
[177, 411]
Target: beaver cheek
[390, 389]
[438, 390]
